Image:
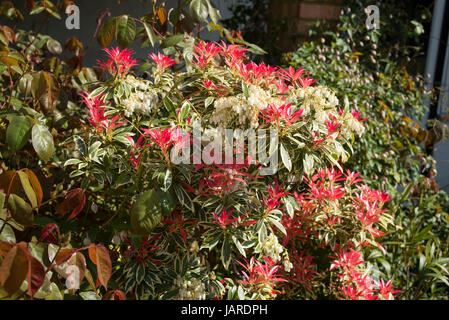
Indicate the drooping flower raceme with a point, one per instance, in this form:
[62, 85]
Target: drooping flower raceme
[142, 99]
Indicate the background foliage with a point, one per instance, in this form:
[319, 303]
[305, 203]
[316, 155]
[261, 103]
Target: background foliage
[381, 81]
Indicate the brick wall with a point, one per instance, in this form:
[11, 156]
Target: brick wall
[299, 14]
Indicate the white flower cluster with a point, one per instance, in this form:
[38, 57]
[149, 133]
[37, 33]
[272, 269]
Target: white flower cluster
[258, 97]
[323, 102]
[142, 100]
[288, 266]
[272, 248]
[225, 110]
[247, 109]
[351, 124]
[320, 99]
[190, 289]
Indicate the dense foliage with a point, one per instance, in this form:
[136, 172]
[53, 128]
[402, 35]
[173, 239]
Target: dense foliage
[200, 174]
[363, 70]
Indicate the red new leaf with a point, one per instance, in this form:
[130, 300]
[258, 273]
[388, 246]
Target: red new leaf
[63, 255]
[47, 233]
[116, 295]
[36, 275]
[74, 201]
[119, 295]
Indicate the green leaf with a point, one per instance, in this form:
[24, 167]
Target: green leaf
[406, 192]
[2, 202]
[171, 41]
[18, 132]
[72, 162]
[169, 106]
[286, 158]
[20, 210]
[107, 32]
[37, 10]
[125, 31]
[7, 233]
[214, 13]
[239, 246]
[262, 235]
[90, 295]
[97, 92]
[184, 111]
[42, 142]
[13, 269]
[308, 164]
[45, 89]
[183, 197]
[146, 213]
[54, 46]
[150, 33]
[199, 10]
[29, 191]
[81, 145]
[226, 253]
[168, 179]
[208, 101]
[278, 225]
[245, 89]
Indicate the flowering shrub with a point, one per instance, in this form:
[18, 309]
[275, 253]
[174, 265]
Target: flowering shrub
[132, 196]
[218, 227]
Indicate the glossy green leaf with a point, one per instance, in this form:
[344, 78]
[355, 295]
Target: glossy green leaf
[125, 31]
[107, 32]
[18, 132]
[42, 142]
[20, 210]
[285, 157]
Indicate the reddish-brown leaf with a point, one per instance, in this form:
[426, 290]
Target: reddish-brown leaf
[89, 279]
[63, 255]
[73, 44]
[116, 295]
[74, 201]
[5, 180]
[8, 33]
[107, 295]
[14, 269]
[35, 185]
[47, 233]
[5, 247]
[119, 295]
[104, 266]
[162, 14]
[36, 275]
[29, 4]
[93, 253]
